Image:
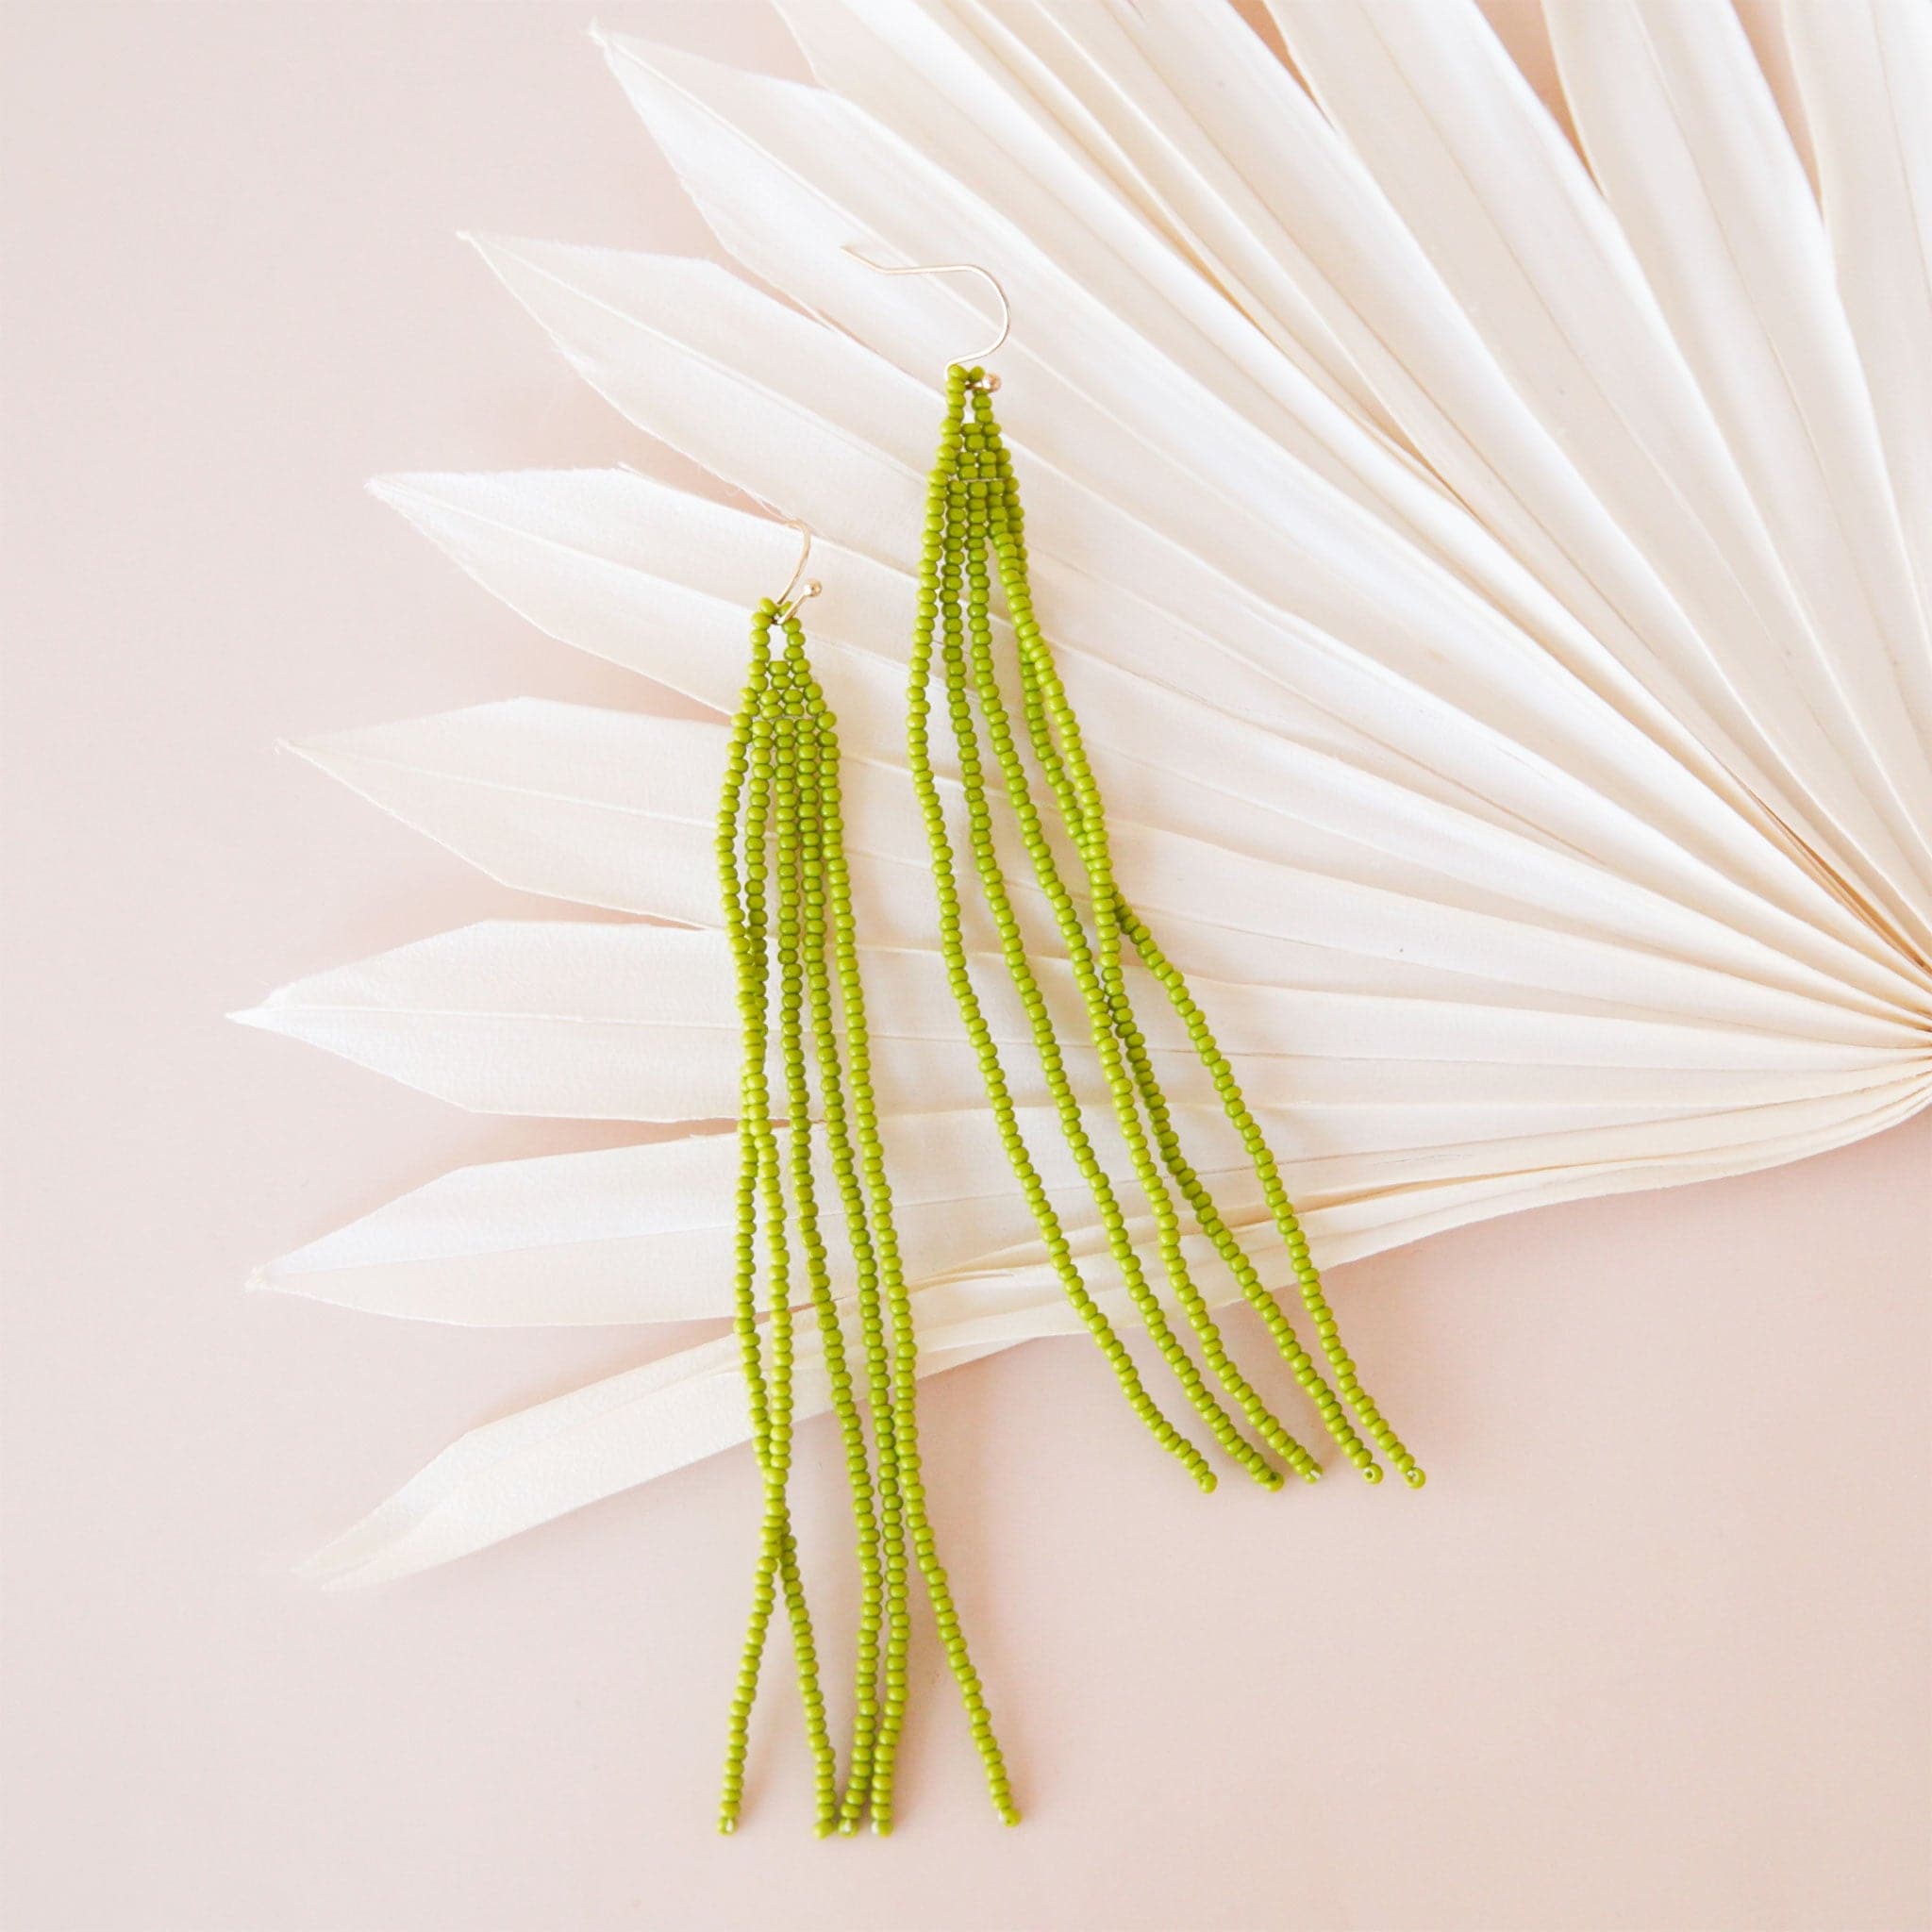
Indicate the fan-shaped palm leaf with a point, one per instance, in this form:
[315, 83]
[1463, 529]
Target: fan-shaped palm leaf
[1494, 577]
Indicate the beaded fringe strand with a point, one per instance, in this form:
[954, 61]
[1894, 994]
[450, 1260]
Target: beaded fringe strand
[787, 910]
[974, 512]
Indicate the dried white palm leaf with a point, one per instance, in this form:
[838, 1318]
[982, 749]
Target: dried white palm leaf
[1494, 574]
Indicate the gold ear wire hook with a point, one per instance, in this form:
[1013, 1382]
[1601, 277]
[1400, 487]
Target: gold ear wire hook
[787, 602]
[953, 268]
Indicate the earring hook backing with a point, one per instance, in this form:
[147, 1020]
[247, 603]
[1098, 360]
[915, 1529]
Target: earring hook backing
[952, 268]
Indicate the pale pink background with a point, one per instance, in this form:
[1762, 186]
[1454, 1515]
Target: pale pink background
[1650, 1653]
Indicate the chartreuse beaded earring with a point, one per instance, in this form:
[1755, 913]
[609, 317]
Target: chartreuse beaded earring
[788, 915]
[975, 529]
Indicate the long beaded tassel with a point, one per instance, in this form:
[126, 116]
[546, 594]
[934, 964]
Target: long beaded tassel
[973, 514]
[788, 907]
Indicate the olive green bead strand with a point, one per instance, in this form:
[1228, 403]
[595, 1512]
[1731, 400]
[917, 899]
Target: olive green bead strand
[940, 574]
[1276, 1193]
[970, 497]
[896, 1424]
[859, 1165]
[806, 980]
[942, 570]
[1050, 718]
[1063, 753]
[777, 1559]
[1056, 736]
[881, 1553]
[1012, 945]
[784, 928]
[788, 917]
[1124, 1063]
[746, 814]
[750, 1001]
[739, 930]
[1161, 1124]
[1047, 703]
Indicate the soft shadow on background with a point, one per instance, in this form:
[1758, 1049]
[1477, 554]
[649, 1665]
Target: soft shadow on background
[1650, 1651]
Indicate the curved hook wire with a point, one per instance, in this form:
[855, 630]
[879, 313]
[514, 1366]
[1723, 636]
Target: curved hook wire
[787, 602]
[952, 268]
